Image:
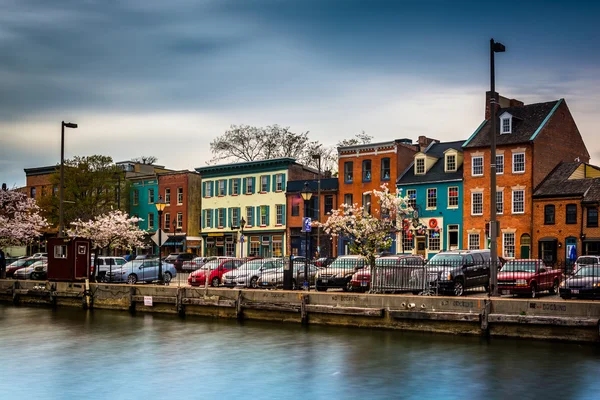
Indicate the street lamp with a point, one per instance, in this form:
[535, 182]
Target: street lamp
[494, 48]
[160, 207]
[318, 158]
[61, 226]
[306, 195]
[242, 225]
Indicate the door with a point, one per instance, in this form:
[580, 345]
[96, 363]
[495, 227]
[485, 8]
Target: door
[525, 245]
[82, 260]
[420, 245]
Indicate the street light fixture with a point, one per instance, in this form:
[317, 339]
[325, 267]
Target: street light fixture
[306, 196]
[61, 226]
[242, 225]
[318, 158]
[160, 207]
[494, 48]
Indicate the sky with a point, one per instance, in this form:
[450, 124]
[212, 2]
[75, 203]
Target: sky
[165, 78]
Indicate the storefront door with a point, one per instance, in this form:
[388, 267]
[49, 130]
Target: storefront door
[420, 244]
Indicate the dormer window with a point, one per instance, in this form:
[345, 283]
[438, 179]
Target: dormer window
[506, 124]
[420, 166]
[450, 163]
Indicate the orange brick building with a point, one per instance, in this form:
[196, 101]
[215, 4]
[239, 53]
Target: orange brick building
[565, 214]
[531, 140]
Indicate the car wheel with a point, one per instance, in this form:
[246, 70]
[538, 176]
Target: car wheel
[254, 283]
[533, 290]
[33, 276]
[554, 288]
[148, 282]
[565, 297]
[132, 279]
[459, 288]
[167, 277]
[215, 282]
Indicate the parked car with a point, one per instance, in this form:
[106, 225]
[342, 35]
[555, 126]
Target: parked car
[215, 268]
[392, 273]
[177, 259]
[195, 263]
[141, 271]
[36, 271]
[106, 264]
[40, 255]
[453, 272]
[21, 263]
[246, 275]
[529, 277]
[145, 256]
[584, 283]
[586, 261]
[339, 273]
[324, 261]
[273, 278]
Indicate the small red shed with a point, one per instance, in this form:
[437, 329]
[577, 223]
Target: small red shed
[69, 259]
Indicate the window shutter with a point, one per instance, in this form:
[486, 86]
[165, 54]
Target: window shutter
[239, 214]
[212, 218]
[275, 182]
[283, 182]
[212, 188]
[283, 214]
[253, 184]
[229, 217]
[203, 219]
[244, 186]
[267, 215]
[230, 187]
[268, 183]
[251, 217]
[203, 189]
[258, 219]
[224, 217]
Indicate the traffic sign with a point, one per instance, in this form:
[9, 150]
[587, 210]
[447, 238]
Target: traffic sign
[163, 237]
[306, 224]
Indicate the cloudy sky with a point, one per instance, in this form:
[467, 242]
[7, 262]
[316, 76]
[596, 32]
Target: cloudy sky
[164, 78]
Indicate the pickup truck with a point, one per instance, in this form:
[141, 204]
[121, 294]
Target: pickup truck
[528, 277]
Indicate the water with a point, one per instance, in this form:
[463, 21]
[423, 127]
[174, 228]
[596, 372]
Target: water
[73, 354]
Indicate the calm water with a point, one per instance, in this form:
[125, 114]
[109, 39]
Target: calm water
[68, 354]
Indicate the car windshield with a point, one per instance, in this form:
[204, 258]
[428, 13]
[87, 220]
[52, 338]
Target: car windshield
[254, 264]
[519, 266]
[133, 264]
[587, 260]
[588, 271]
[38, 263]
[213, 264]
[446, 259]
[343, 263]
[386, 262]
[19, 263]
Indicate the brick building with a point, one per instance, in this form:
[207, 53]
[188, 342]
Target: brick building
[365, 167]
[565, 213]
[182, 191]
[39, 182]
[296, 211]
[531, 140]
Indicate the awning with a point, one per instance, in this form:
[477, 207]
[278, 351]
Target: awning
[591, 239]
[547, 239]
[174, 241]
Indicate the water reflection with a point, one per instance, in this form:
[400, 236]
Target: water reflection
[103, 354]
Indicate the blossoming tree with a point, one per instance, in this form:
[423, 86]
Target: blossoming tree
[368, 234]
[114, 230]
[20, 219]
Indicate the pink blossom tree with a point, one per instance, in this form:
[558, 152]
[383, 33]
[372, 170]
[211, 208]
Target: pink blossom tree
[114, 230]
[368, 234]
[20, 219]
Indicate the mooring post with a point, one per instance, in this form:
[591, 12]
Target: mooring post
[238, 306]
[484, 316]
[180, 305]
[15, 295]
[131, 301]
[303, 311]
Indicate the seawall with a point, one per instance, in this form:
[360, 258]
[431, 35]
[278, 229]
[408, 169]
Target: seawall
[571, 320]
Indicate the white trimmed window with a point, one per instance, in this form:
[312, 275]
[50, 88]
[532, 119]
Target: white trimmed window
[450, 163]
[179, 195]
[167, 223]
[508, 245]
[420, 166]
[264, 183]
[235, 217]
[249, 216]
[518, 163]
[279, 184]
[500, 202]
[222, 187]
[499, 164]
[477, 203]
[453, 197]
[168, 195]
[474, 242]
[412, 197]
[506, 124]
[208, 215]
[221, 220]
[432, 198]
[208, 189]
[150, 220]
[434, 240]
[407, 242]
[477, 166]
[518, 201]
[279, 214]
[150, 196]
[263, 215]
[235, 186]
[179, 220]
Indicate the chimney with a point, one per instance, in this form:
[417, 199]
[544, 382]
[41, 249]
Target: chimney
[501, 102]
[424, 141]
[516, 103]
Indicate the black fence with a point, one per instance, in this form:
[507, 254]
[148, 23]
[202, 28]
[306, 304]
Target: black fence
[455, 275]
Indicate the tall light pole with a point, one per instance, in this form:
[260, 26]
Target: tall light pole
[61, 226]
[160, 207]
[494, 48]
[306, 195]
[318, 158]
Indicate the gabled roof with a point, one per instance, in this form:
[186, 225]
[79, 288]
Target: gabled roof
[527, 123]
[436, 172]
[558, 184]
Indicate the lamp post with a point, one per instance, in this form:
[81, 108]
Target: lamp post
[318, 158]
[61, 226]
[494, 48]
[242, 225]
[306, 195]
[160, 206]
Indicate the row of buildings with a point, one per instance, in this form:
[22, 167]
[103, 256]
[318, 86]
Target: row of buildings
[546, 197]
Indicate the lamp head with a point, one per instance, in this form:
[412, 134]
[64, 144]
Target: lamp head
[306, 192]
[69, 125]
[160, 204]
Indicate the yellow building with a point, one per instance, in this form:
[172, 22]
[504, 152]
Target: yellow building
[243, 206]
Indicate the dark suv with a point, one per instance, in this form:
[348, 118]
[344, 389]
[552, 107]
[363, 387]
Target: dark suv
[455, 271]
[177, 259]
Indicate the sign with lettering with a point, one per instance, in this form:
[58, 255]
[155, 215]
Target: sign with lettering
[148, 301]
[306, 222]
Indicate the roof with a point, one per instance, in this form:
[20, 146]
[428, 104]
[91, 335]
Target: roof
[436, 172]
[367, 146]
[246, 166]
[558, 184]
[327, 184]
[527, 122]
[41, 170]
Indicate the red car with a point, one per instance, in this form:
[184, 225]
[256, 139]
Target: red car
[528, 277]
[21, 263]
[217, 268]
[394, 273]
